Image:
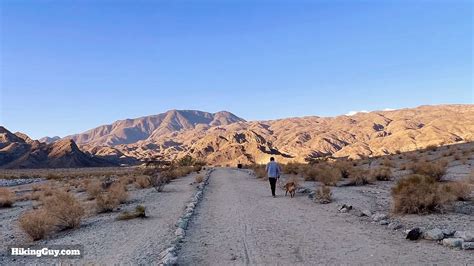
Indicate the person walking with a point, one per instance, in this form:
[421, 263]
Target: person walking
[273, 172]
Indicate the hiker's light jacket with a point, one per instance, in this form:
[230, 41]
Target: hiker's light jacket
[273, 170]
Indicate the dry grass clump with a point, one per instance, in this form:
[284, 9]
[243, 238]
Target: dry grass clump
[119, 190]
[36, 223]
[387, 163]
[93, 189]
[142, 181]
[199, 178]
[323, 173]
[359, 177]
[423, 194]
[460, 190]
[345, 167]
[66, 211]
[7, 198]
[323, 194]
[292, 168]
[381, 174]
[59, 211]
[432, 169]
[106, 202]
[259, 170]
[138, 213]
[158, 181]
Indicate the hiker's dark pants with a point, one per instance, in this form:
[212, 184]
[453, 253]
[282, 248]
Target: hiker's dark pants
[273, 182]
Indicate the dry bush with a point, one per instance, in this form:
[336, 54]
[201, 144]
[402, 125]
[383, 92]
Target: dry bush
[7, 197]
[106, 202]
[119, 191]
[420, 194]
[292, 168]
[432, 169]
[325, 174]
[323, 194]
[359, 177]
[142, 181]
[66, 211]
[36, 223]
[432, 147]
[259, 170]
[460, 190]
[381, 174]
[138, 213]
[199, 178]
[387, 163]
[158, 181]
[93, 188]
[345, 167]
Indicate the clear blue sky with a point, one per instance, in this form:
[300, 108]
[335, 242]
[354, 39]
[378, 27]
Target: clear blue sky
[68, 66]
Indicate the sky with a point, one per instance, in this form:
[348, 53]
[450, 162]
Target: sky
[68, 66]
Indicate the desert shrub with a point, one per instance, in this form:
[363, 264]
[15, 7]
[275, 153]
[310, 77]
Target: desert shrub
[259, 170]
[387, 163]
[187, 160]
[419, 194]
[138, 213]
[359, 177]
[460, 190]
[323, 194]
[432, 147]
[345, 167]
[119, 191]
[158, 181]
[199, 178]
[381, 174]
[432, 169]
[93, 189]
[66, 211]
[292, 168]
[324, 174]
[106, 202]
[142, 181]
[7, 197]
[36, 223]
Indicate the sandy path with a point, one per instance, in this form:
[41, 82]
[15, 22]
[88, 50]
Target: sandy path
[239, 223]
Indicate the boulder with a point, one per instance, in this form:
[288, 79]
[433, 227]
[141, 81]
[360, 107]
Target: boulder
[453, 242]
[468, 245]
[384, 222]
[367, 213]
[379, 217]
[180, 232]
[434, 234]
[414, 234]
[448, 232]
[465, 235]
[394, 226]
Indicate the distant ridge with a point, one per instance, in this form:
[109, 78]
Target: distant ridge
[150, 127]
[19, 151]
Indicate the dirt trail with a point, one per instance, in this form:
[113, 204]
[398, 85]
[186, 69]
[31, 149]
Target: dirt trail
[238, 222]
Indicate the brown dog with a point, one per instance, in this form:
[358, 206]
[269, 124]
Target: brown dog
[291, 188]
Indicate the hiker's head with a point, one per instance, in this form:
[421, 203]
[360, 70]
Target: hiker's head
[272, 159]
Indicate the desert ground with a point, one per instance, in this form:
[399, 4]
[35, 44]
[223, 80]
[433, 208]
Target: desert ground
[236, 221]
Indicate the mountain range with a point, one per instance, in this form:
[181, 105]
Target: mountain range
[223, 138]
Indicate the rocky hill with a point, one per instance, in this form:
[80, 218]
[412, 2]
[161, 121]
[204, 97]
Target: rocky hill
[223, 138]
[19, 151]
[152, 127]
[300, 139]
